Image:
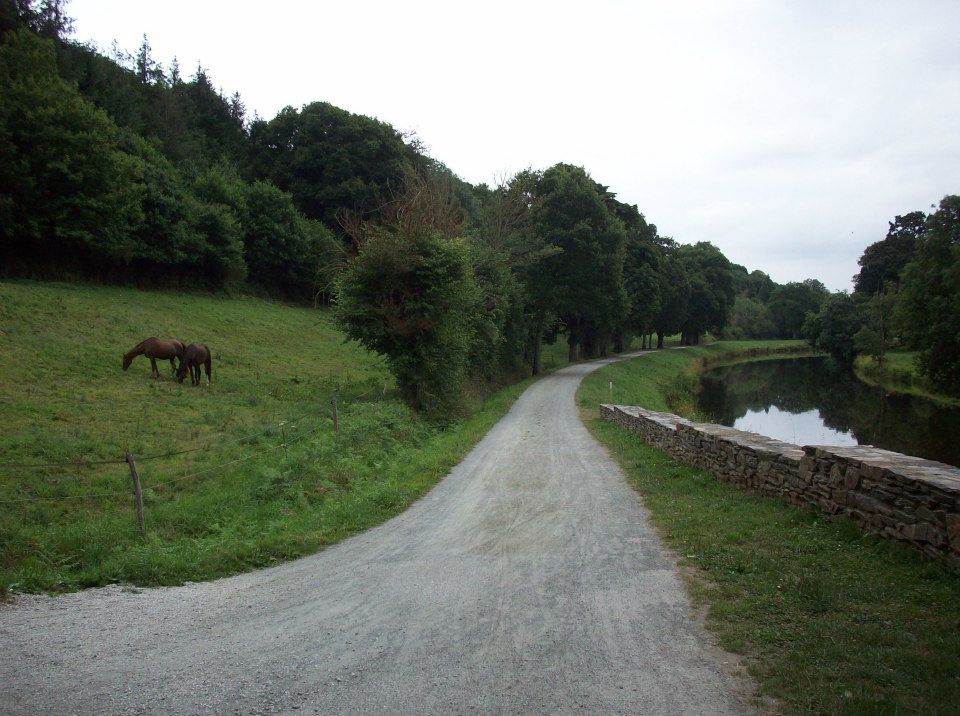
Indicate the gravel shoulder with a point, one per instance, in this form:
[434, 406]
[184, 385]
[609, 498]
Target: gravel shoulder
[528, 580]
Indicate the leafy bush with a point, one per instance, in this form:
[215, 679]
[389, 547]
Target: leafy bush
[833, 328]
[414, 299]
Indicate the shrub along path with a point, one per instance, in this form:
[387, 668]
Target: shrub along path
[528, 580]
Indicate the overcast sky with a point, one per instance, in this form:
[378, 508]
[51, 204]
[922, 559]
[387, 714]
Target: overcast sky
[788, 134]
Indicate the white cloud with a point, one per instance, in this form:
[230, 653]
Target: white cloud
[786, 133]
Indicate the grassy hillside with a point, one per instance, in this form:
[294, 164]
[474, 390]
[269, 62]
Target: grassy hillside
[828, 619]
[265, 479]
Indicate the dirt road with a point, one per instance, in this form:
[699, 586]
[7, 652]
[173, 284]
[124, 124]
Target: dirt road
[528, 580]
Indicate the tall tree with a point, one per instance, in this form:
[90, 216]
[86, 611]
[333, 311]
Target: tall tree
[583, 282]
[930, 304]
[884, 261]
[333, 162]
[790, 303]
[64, 188]
[709, 290]
[834, 327]
[47, 18]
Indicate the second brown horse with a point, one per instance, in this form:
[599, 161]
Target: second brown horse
[194, 355]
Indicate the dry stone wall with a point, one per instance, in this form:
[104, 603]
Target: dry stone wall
[898, 496]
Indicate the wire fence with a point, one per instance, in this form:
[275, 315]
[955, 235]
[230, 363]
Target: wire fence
[131, 461]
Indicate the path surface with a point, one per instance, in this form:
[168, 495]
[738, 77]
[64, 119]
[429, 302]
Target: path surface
[528, 580]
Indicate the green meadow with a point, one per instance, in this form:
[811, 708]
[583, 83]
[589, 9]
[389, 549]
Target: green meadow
[261, 475]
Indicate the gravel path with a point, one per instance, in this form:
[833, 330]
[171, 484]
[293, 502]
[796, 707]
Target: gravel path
[528, 580]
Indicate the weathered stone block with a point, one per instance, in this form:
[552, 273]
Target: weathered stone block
[851, 478]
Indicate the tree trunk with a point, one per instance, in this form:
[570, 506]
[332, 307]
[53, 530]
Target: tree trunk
[572, 349]
[659, 339]
[535, 353]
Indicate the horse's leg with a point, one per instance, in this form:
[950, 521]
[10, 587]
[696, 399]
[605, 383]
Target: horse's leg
[173, 366]
[207, 366]
[153, 366]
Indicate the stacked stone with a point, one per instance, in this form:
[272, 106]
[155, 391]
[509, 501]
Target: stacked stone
[898, 496]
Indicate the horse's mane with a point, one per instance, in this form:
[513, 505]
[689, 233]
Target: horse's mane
[133, 351]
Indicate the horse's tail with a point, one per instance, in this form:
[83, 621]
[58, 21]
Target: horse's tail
[134, 352]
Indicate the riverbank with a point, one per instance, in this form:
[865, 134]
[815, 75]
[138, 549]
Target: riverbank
[826, 618]
[668, 379]
[900, 375]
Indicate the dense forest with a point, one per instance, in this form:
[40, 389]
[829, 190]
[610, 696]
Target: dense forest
[120, 169]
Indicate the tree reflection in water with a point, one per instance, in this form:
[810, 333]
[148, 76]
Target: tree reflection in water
[806, 402]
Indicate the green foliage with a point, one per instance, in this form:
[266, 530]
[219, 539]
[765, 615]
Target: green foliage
[882, 263]
[758, 285]
[876, 335]
[81, 195]
[790, 303]
[333, 162]
[414, 299]
[641, 270]
[283, 251]
[749, 318]
[833, 327]
[867, 340]
[707, 292]
[64, 183]
[583, 282]
[193, 124]
[930, 305]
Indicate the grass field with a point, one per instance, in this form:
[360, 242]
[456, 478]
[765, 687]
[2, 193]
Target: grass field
[900, 375]
[274, 481]
[828, 619]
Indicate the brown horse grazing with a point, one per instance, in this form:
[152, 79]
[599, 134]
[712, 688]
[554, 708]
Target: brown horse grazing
[155, 349]
[194, 355]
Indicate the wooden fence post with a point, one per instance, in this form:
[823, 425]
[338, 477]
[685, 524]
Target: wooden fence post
[336, 414]
[137, 492]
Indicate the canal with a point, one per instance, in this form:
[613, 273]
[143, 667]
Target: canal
[803, 401]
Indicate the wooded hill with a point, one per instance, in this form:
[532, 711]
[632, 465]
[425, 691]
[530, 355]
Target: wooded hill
[122, 170]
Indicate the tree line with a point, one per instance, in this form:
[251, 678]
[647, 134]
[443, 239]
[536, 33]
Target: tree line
[906, 296]
[119, 169]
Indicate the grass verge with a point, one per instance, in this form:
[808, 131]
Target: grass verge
[271, 479]
[827, 619]
[667, 379]
[900, 375]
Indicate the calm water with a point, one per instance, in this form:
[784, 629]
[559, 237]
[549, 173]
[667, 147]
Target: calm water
[801, 401]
